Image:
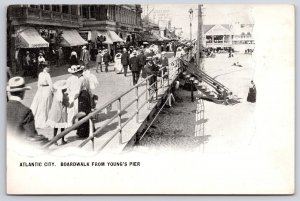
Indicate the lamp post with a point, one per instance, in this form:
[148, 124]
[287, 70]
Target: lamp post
[191, 18]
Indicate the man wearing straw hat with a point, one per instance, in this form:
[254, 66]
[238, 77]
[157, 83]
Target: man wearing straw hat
[85, 56]
[20, 120]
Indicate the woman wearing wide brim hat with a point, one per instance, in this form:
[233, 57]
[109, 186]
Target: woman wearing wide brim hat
[118, 65]
[43, 98]
[58, 113]
[74, 87]
[75, 69]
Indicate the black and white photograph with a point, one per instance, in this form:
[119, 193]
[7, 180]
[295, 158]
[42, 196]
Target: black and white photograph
[150, 99]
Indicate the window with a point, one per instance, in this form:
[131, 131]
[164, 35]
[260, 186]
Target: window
[34, 6]
[55, 8]
[85, 11]
[74, 10]
[65, 9]
[242, 25]
[93, 11]
[46, 7]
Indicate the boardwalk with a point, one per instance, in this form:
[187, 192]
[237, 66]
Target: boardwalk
[111, 86]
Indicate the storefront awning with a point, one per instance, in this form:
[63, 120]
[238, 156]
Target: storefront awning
[30, 38]
[149, 38]
[106, 35]
[86, 35]
[159, 38]
[72, 38]
[111, 37]
[114, 37]
[165, 38]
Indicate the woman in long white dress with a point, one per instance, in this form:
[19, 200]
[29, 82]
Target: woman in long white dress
[43, 99]
[118, 65]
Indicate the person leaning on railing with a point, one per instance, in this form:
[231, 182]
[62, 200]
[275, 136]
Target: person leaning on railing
[151, 69]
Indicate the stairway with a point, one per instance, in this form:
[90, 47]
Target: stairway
[201, 80]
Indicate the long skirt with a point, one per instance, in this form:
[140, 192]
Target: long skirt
[251, 96]
[118, 66]
[84, 105]
[57, 115]
[71, 112]
[41, 105]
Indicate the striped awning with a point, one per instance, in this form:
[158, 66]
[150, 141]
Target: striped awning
[30, 38]
[72, 38]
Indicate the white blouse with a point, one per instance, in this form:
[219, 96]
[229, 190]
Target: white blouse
[44, 79]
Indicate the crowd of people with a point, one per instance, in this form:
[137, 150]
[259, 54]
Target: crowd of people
[54, 105]
[58, 105]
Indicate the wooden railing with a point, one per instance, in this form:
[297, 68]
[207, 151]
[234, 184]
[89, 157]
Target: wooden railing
[137, 101]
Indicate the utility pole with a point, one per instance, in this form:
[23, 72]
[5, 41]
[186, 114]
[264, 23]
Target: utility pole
[200, 38]
[191, 19]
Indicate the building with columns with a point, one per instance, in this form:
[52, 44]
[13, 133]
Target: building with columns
[237, 36]
[217, 36]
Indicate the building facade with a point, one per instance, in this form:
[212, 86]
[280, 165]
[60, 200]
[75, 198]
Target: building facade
[115, 23]
[237, 36]
[41, 27]
[46, 27]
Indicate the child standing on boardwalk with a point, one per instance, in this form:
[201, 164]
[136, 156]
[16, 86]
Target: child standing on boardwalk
[58, 113]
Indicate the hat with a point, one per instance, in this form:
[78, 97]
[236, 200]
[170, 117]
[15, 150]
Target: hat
[149, 59]
[60, 84]
[84, 47]
[17, 84]
[75, 69]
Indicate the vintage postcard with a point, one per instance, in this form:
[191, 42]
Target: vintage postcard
[150, 99]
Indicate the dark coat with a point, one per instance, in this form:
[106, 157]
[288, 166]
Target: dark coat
[142, 60]
[125, 59]
[106, 57]
[20, 119]
[151, 70]
[252, 95]
[165, 62]
[134, 64]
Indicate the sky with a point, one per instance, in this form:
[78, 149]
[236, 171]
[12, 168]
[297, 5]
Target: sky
[212, 14]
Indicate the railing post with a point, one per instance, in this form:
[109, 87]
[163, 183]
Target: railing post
[120, 119]
[168, 77]
[137, 102]
[156, 87]
[162, 78]
[147, 93]
[92, 133]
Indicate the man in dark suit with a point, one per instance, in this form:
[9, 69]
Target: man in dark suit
[142, 59]
[106, 59]
[125, 61]
[135, 67]
[20, 120]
